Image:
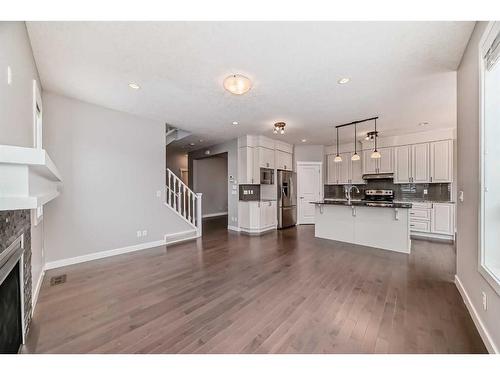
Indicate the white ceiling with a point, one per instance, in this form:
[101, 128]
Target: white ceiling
[404, 72]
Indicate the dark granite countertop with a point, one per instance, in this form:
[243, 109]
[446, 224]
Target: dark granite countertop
[343, 202]
[421, 200]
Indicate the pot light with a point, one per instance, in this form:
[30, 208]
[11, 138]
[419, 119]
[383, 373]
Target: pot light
[134, 86]
[191, 144]
[235, 122]
[304, 140]
[237, 84]
[343, 81]
[201, 140]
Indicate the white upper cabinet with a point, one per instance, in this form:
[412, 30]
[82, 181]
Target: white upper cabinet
[284, 160]
[333, 170]
[441, 165]
[382, 165]
[344, 168]
[402, 164]
[356, 171]
[420, 163]
[369, 164]
[248, 170]
[266, 157]
[411, 164]
[385, 163]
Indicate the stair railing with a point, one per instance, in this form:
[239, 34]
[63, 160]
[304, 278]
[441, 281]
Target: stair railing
[184, 201]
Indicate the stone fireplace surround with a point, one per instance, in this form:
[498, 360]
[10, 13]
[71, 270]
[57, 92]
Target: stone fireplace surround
[12, 225]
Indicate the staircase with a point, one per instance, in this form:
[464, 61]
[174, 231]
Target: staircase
[173, 134]
[185, 202]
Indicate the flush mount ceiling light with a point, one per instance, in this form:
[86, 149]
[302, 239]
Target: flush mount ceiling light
[355, 156]
[235, 122]
[375, 154]
[279, 127]
[338, 158]
[134, 86]
[237, 84]
[343, 81]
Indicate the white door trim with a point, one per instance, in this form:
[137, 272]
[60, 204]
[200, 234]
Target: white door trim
[321, 183]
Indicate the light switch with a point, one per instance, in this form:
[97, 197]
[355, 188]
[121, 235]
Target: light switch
[9, 76]
[461, 196]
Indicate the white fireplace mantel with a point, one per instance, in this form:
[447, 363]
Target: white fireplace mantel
[28, 178]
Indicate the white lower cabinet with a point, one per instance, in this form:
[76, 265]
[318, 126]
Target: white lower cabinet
[257, 216]
[433, 219]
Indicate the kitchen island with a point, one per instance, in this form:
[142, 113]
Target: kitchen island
[384, 226]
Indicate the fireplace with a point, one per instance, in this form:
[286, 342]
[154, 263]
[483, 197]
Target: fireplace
[12, 328]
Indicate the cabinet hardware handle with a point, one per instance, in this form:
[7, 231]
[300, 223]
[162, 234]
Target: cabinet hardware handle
[431, 178]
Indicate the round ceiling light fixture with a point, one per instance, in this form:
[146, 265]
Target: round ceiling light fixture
[235, 122]
[343, 81]
[237, 84]
[279, 127]
[134, 86]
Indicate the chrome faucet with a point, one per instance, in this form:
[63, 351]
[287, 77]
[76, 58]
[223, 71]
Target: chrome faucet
[347, 191]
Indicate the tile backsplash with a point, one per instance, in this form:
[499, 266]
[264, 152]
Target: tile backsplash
[437, 192]
[249, 192]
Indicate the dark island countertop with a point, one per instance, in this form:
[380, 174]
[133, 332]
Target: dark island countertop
[343, 202]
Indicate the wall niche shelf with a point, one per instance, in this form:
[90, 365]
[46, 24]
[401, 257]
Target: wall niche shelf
[28, 178]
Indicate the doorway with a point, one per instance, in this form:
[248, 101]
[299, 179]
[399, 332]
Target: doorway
[210, 177]
[309, 189]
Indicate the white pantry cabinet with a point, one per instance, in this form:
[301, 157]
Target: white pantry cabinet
[383, 165]
[441, 165]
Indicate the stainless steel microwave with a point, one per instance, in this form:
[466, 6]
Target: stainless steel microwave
[266, 176]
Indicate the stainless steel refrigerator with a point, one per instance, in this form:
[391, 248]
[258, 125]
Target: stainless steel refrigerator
[287, 199]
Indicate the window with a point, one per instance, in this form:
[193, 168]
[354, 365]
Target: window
[490, 156]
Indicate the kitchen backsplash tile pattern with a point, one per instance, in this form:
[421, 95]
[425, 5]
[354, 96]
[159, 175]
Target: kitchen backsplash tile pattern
[435, 192]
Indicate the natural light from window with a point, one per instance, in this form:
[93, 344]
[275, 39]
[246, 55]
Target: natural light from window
[490, 176]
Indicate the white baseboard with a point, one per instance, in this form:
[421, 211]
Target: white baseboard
[34, 298]
[483, 332]
[233, 228]
[102, 254]
[216, 214]
[171, 239]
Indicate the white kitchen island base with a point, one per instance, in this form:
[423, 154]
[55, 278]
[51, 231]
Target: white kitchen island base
[385, 228]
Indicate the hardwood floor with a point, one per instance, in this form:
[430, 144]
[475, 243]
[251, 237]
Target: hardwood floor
[284, 292]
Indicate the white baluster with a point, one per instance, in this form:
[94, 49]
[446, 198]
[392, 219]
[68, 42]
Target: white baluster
[193, 202]
[198, 213]
[179, 206]
[184, 201]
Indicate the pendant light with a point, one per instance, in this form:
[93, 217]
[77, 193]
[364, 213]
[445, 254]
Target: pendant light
[355, 156]
[338, 158]
[375, 154]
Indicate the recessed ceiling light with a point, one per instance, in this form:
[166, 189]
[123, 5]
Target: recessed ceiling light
[201, 140]
[237, 84]
[191, 144]
[343, 80]
[304, 140]
[235, 122]
[134, 86]
[423, 123]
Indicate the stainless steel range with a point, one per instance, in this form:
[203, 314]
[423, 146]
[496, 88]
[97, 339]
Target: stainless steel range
[379, 198]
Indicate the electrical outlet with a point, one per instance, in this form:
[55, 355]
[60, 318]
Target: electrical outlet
[425, 191]
[461, 196]
[485, 301]
[144, 233]
[139, 233]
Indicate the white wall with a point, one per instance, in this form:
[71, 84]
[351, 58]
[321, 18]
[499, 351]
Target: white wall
[210, 178]
[176, 159]
[112, 165]
[310, 153]
[468, 182]
[16, 112]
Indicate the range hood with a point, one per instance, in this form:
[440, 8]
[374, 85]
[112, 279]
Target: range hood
[378, 176]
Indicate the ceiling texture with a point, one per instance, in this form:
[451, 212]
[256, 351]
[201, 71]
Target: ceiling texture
[404, 72]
